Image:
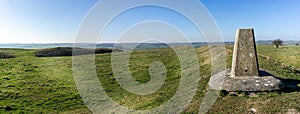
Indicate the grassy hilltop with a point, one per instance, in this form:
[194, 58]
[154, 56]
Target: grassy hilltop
[30, 84]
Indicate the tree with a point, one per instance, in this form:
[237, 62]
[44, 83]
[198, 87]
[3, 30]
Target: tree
[277, 42]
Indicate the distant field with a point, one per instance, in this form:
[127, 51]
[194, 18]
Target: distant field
[29, 84]
[286, 54]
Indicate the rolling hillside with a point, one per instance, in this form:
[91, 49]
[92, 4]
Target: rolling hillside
[30, 84]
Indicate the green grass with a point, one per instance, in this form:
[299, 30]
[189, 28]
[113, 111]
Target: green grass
[286, 54]
[283, 62]
[139, 64]
[29, 84]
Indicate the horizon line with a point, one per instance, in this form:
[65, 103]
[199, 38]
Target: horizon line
[130, 42]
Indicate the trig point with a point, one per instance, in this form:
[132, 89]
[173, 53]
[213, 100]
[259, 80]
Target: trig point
[244, 74]
[244, 61]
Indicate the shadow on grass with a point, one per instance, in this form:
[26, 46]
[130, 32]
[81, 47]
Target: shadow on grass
[290, 85]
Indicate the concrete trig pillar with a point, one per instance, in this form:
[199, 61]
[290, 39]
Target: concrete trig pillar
[244, 61]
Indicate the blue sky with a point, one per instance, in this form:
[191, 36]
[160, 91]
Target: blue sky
[57, 21]
[270, 18]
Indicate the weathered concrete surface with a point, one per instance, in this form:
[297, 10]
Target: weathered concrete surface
[244, 60]
[266, 83]
[223, 81]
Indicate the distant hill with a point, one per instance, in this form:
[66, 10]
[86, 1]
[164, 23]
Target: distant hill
[126, 46]
[130, 46]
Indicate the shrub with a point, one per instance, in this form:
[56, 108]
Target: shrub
[68, 51]
[5, 55]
